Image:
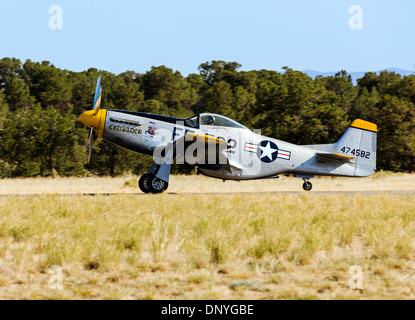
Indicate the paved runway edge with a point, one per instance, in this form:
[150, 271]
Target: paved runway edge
[375, 192]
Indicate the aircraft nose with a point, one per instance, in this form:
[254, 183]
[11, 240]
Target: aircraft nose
[97, 121]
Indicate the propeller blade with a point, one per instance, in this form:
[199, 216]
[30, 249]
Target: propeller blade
[95, 107]
[97, 99]
[90, 143]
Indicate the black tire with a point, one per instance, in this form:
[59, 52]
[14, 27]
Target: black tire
[156, 185]
[143, 182]
[307, 186]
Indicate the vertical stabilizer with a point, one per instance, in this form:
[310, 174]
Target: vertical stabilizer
[359, 141]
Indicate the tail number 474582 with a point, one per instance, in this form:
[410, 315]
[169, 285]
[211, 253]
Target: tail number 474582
[356, 152]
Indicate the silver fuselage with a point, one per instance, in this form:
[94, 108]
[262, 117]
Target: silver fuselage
[144, 133]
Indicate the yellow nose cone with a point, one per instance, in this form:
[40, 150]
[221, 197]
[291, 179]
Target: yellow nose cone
[97, 121]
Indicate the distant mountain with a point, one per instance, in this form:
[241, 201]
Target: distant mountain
[357, 75]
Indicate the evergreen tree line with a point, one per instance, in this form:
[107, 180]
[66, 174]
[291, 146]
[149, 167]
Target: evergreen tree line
[41, 136]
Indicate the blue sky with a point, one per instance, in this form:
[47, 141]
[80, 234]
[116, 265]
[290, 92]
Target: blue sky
[263, 34]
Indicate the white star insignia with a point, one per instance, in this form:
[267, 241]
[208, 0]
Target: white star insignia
[267, 151]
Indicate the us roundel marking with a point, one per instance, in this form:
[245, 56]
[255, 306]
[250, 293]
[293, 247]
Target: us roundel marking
[267, 151]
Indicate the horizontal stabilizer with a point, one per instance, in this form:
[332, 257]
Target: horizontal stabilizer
[335, 157]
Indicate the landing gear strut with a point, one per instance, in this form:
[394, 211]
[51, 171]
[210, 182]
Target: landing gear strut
[307, 186]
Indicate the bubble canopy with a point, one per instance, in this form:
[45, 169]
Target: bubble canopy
[214, 120]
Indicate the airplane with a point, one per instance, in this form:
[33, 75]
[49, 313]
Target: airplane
[223, 148]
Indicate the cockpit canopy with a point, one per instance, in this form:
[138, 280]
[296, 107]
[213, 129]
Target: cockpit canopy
[214, 120]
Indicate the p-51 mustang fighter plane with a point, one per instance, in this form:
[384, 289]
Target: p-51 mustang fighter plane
[222, 148]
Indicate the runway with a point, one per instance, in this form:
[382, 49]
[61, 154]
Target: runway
[373, 192]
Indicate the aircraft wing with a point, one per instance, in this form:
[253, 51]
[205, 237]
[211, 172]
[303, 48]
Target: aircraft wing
[205, 149]
[194, 149]
[334, 156]
[208, 140]
[221, 157]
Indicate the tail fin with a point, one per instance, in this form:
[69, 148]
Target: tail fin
[359, 142]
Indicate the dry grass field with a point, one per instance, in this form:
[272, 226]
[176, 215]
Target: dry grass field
[193, 245]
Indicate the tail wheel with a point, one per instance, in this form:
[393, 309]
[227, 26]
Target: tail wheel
[144, 181]
[307, 186]
[156, 185]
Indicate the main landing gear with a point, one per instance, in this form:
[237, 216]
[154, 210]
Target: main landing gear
[151, 183]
